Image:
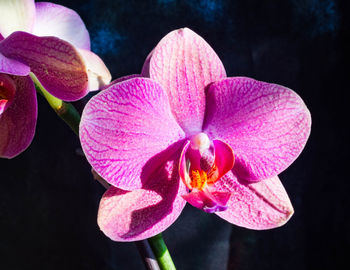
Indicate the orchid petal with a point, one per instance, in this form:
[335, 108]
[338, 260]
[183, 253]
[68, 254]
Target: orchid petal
[184, 64]
[260, 206]
[13, 67]
[18, 121]
[126, 126]
[59, 21]
[56, 63]
[16, 15]
[142, 213]
[224, 158]
[267, 125]
[98, 73]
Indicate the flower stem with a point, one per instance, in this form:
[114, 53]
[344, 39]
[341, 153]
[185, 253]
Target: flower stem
[64, 110]
[68, 113]
[161, 252]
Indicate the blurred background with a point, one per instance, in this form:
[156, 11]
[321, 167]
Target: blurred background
[49, 201]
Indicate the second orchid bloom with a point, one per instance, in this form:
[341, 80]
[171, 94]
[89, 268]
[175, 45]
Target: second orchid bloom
[52, 42]
[184, 132]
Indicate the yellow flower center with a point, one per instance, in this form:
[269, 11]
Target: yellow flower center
[200, 179]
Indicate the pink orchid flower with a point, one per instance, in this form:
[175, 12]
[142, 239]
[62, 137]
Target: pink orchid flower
[52, 42]
[190, 134]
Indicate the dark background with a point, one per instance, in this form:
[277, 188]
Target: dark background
[48, 200]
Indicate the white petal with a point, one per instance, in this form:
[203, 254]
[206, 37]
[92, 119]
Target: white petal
[61, 22]
[16, 15]
[98, 73]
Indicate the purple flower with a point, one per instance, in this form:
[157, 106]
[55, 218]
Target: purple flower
[190, 134]
[52, 42]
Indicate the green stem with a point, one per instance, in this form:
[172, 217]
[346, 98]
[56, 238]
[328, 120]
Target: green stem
[64, 110]
[161, 252]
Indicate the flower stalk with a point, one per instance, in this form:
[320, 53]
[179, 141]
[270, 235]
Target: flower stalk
[154, 252]
[161, 252]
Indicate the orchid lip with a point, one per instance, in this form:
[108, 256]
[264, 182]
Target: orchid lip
[208, 200]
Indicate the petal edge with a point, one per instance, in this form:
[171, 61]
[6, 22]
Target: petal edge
[125, 126]
[259, 206]
[142, 213]
[267, 125]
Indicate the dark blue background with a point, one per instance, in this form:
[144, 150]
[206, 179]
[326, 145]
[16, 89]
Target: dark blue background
[48, 200]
